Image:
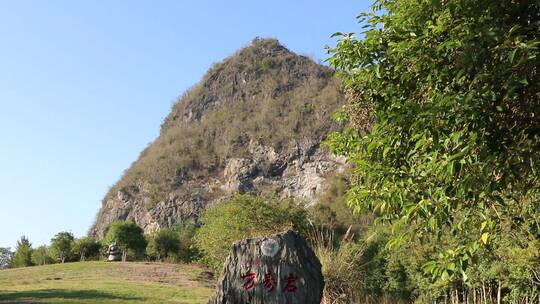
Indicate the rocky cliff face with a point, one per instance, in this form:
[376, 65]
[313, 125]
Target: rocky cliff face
[253, 124]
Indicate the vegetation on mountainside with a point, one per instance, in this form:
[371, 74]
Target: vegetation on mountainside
[444, 107]
[263, 93]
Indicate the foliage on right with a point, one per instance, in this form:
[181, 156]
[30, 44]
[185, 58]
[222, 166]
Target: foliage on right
[444, 113]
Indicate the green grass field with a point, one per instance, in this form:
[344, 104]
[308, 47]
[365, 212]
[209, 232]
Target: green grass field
[102, 282]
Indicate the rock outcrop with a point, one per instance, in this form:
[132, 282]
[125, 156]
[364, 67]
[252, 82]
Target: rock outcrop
[253, 124]
[114, 253]
[276, 269]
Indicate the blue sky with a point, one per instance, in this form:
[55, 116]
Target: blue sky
[84, 87]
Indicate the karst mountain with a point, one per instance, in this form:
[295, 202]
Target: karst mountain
[253, 124]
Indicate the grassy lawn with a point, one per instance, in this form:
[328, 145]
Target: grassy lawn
[102, 282]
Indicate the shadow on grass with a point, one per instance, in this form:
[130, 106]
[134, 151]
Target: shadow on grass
[42, 294]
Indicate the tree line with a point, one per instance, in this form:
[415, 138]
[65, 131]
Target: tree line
[169, 244]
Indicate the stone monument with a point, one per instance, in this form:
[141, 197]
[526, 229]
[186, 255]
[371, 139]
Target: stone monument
[276, 269]
[114, 253]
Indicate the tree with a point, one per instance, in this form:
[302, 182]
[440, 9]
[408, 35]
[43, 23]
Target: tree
[444, 125]
[128, 236]
[23, 253]
[244, 216]
[5, 257]
[86, 247]
[166, 243]
[187, 251]
[61, 245]
[40, 256]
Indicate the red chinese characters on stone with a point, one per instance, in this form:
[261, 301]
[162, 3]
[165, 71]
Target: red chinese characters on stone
[269, 282]
[249, 280]
[290, 283]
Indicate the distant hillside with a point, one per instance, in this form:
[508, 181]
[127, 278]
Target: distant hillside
[254, 123]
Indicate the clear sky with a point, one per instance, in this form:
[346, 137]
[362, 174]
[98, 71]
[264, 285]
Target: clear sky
[85, 85]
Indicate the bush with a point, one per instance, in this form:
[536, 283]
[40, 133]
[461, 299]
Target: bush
[341, 266]
[166, 244]
[85, 248]
[331, 210]
[241, 217]
[188, 251]
[174, 244]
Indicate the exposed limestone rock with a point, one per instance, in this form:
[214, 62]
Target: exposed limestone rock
[299, 176]
[237, 174]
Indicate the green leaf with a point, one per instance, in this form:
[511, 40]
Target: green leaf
[511, 55]
[385, 151]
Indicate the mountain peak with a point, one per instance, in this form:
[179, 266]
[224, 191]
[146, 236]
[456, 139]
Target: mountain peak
[265, 67]
[266, 44]
[264, 47]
